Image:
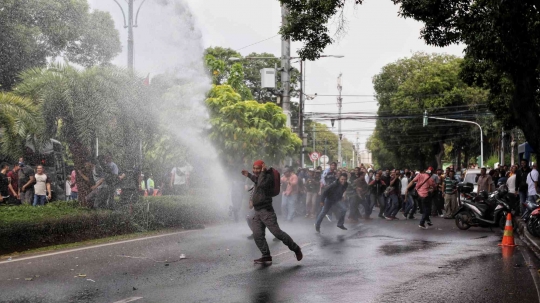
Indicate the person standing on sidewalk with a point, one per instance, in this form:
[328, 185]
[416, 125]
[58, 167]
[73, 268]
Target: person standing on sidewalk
[4, 183]
[376, 188]
[532, 182]
[312, 189]
[264, 215]
[290, 195]
[450, 195]
[42, 188]
[13, 178]
[521, 183]
[333, 195]
[484, 181]
[424, 186]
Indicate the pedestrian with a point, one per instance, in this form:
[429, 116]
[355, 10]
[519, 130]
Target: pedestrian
[512, 187]
[4, 183]
[333, 195]
[26, 182]
[73, 185]
[393, 190]
[42, 188]
[361, 189]
[376, 188]
[521, 183]
[532, 182]
[13, 178]
[450, 195]
[410, 205]
[424, 186]
[312, 189]
[484, 181]
[264, 215]
[290, 195]
[150, 185]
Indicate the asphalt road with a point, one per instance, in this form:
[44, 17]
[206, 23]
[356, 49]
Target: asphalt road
[375, 261]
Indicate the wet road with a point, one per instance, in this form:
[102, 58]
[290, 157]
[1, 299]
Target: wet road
[375, 261]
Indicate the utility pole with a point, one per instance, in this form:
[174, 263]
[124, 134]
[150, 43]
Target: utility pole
[130, 22]
[357, 149]
[502, 148]
[286, 68]
[339, 101]
[314, 138]
[301, 112]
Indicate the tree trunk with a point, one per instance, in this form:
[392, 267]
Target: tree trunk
[80, 155]
[525, 108]
[458, 166]
[439, 155]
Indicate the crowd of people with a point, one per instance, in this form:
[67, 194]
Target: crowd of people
[332, 193]
[20, 184]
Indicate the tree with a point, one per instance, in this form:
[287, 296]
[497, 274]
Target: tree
[78, 106]
[34, 30]
[408, 87]
[501, 55]
[19, 121]
[252, 74]
[326, 141]
[243, 131]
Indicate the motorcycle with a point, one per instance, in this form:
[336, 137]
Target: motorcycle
[531, 216]
[491, 212]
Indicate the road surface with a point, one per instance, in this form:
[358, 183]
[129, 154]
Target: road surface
[374, 261]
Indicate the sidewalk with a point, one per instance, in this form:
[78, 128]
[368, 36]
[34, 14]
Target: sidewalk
[532, 242]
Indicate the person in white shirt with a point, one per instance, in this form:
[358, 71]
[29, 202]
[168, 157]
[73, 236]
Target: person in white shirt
[42, 188]
[532, 182]
[511, 181]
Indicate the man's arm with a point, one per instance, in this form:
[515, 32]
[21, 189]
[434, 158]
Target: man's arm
[30, 182]
[49, 194]
[443, 188]
[85, 178]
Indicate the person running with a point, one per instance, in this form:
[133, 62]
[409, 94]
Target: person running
[424, 186]
[376, 188]
[392, 207]
[264, 215]
[333, 195]
[312, 188]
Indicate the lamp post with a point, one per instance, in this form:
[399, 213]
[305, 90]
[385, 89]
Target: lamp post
[129, 24]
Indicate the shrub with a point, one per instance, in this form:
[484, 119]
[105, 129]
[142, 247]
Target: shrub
[27, 227]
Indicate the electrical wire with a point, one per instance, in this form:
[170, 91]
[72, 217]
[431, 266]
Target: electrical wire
[257, 42]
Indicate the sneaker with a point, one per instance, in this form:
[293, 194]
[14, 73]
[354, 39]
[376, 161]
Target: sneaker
[382, 217]
[405, 216]
[250, 237]
[307, 216]
[299, 254]
[318, 229]
[429, 223]
[263, 260]
[342, 227]
[388, 218]
[441, 215]
[422, 226]
[328, 217]
[411, 218]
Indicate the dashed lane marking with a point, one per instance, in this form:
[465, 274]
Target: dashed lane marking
[129, 300]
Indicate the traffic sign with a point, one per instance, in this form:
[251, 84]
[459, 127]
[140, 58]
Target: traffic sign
[314, 156]
[324, 159]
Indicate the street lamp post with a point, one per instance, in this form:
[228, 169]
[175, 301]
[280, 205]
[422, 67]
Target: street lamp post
[129, 24]
[339, 101]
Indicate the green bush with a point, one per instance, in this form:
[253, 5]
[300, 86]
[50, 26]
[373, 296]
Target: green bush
[27, 227]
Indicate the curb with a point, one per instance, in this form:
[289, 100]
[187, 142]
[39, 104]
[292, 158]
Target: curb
[531, 241]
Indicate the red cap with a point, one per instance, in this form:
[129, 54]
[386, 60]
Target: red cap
[430, 168]
[258, 163]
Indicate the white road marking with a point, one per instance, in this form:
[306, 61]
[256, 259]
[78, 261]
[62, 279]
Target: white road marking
[129, 300]
[98, 246]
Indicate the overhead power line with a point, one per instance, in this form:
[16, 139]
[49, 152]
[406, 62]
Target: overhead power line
[257, 42]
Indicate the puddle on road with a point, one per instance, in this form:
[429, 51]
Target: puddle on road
[407, 247]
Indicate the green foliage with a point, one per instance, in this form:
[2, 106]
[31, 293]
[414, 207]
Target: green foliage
[326, 139]
[223, 69]
[243, 131]
[104, 102]
[19, 119]
[34, 30]
[409, 87]
[27, 227]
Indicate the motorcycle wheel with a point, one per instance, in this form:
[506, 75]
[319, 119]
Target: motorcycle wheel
[535, 226]
[502, 222]
[530, 225]
[462, 219]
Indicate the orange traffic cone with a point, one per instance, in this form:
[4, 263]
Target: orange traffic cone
[508, 237]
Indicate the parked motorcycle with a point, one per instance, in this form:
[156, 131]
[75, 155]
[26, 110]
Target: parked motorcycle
[489, 213]
[532, 221]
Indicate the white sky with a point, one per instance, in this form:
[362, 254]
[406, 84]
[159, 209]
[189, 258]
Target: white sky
[376, 36]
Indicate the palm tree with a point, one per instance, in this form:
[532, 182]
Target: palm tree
[19, 119]
[80, 105]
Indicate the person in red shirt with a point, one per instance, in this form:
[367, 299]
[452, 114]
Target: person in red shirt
[13, 178]
[424, 186]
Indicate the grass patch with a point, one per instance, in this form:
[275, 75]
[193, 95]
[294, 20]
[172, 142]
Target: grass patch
[25, 227]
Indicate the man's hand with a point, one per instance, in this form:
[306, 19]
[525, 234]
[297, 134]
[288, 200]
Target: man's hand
[264, 167]
[250, 204]
[24, 188]
[49, 197]
[245, 173]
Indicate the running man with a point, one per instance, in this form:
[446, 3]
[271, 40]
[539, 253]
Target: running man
[264, 216]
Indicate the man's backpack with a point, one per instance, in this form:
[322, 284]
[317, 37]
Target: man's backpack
[277, 182]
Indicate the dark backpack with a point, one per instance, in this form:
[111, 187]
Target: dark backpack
[277, 182]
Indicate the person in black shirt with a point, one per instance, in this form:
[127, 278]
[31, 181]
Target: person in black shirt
[333, 195]
[521, 184]
[4, 183]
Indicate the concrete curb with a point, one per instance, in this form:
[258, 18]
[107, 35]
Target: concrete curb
[531, 241]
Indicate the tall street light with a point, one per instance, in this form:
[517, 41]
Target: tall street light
[129, 24]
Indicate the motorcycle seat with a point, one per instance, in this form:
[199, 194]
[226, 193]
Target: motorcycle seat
[481, 206]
